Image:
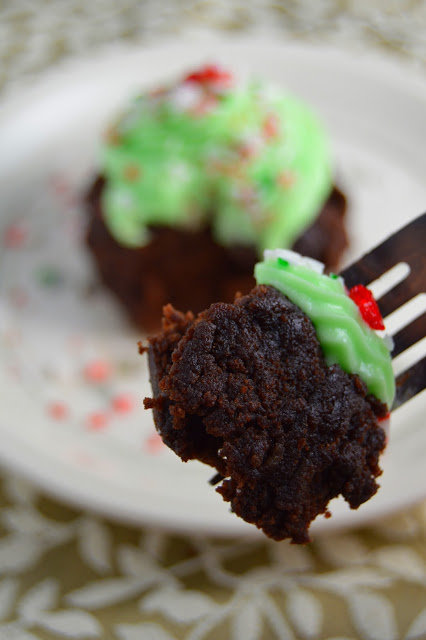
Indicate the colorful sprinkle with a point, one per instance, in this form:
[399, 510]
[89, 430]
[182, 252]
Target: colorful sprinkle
[123, 403]
[97, 420]
[210, 74]
[112, 136]
[367, 305]
[286, 179]
[97, 371]
[15, 235]
[57, 410]
[50, 276]
[282, 262]
[132, 172]
[205, 105]
[271, 127]
[247, 151]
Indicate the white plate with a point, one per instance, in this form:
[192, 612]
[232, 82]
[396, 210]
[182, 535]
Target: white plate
[53, 325]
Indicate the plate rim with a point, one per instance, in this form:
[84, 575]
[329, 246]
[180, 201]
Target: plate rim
[9, 457]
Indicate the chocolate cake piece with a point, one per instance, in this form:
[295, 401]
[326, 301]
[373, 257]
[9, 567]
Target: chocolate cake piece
[188, 268]
[244, 387]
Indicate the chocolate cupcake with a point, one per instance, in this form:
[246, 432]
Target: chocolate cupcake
[196, 180]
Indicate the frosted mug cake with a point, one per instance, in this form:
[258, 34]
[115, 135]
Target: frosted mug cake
[196, 179]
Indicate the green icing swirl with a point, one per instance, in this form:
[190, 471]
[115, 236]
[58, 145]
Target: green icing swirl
[256, 158]
[342, 333]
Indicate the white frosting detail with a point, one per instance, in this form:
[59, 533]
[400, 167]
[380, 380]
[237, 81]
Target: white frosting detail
[387, 339]
[292, 257]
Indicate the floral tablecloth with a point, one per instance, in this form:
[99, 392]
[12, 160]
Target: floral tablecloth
[68, 574]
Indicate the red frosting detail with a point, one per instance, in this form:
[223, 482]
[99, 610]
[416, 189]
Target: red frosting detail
[210, 74]
[367, 305]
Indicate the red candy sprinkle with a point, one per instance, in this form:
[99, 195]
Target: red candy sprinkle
[367, 305]
[210, 74]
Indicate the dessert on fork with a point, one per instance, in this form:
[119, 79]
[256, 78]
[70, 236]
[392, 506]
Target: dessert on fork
[287, 391]
[283, 392]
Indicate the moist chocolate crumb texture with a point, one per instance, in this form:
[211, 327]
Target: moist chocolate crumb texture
[285, 392]
[196, 179]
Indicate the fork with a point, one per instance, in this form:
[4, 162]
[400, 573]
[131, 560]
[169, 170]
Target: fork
[395, 271]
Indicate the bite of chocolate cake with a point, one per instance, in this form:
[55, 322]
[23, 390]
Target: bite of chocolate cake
[283, 392]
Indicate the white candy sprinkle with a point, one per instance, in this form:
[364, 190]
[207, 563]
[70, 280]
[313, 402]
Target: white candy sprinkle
[292, 257]
[186, 96]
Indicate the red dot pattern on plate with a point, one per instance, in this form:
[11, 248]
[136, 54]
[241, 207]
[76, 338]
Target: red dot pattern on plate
[76, 341]
[97, 371]
[367, 305]
[123, 403]
[14, 236]
[18, 297]
[57, 410]
[62, 188]
[60, 184]
[14, 371]
[12, 336]
[154, 444]
[97, 421]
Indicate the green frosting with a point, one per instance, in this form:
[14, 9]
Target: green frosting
[251, 160]
[344, 337]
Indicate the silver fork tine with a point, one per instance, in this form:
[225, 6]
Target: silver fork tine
[409, 335]
[410, 383]
[408, 246]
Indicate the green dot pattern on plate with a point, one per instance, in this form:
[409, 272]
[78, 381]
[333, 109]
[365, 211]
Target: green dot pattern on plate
[250, 160]
[344, 337]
